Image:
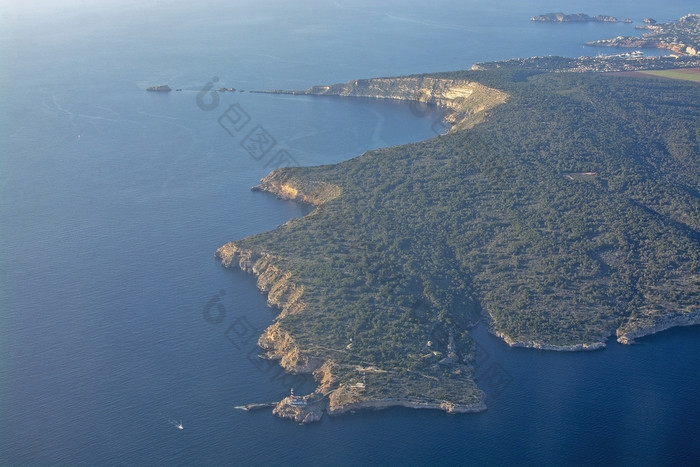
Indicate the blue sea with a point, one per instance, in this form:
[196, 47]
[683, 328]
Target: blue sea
[117, 322]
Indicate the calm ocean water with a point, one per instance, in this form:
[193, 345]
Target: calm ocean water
[113, 201]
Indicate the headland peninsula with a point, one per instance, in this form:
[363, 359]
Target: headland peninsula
[560, 209]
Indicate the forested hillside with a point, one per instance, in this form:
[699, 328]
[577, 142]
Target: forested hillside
[570, 213]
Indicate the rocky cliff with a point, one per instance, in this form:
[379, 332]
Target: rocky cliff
[459, 99]
[282, 292]
[411, 403]
[544, 346]
[312, 192]
[641, 326]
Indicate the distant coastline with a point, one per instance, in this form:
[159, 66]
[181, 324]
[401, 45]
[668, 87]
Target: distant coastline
[681, 37]
[577, 18]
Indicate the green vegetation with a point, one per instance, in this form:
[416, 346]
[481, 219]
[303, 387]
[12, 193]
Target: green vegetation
[569, 210]
[692, 74]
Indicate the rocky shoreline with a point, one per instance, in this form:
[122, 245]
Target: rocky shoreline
[282, 292]
[543, 346]
[411, 403]
[634, 330]
[314, 193]
[625, 334]
[577, 18]
[310, 408]
[458, 99]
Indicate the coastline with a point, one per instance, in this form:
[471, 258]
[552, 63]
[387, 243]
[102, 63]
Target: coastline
[341, 392]
[316, 404]
[543, 346]
[625, 334]
[411, 403]
[459, 99]
[659, 324]
[679, 37]
[334, 394]
[283, 294]
[537, 345]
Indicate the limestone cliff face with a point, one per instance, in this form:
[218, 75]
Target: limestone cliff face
[281, 290]
[279, 345]
[325, 377]
[282, 293]
[663, 315]
[646, 325]
[460, 99]
[338, 405]
[542, 346]
[312, 192]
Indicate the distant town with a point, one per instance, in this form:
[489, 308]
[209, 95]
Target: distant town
[681, 38]
[633, 61]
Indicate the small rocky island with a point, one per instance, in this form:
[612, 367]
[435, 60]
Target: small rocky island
[159, 88]
[577, 18]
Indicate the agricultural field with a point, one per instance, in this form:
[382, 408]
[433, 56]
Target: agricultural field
[687, 74]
